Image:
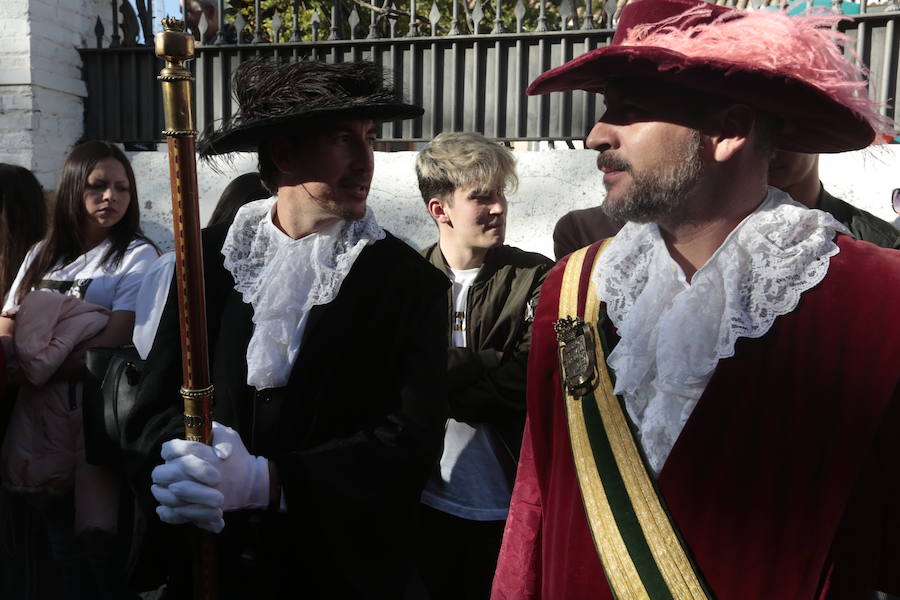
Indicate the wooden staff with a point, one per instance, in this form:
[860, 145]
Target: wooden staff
[176, 46]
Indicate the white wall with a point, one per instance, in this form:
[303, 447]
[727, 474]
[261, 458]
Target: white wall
[41, 87]
[552, 183]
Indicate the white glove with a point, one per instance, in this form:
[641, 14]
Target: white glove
[198, 482]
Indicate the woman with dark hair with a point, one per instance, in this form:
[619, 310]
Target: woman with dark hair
[23, 219]
[91, 262]
[95, 249]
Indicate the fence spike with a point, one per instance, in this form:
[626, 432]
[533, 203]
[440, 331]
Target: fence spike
[314, 24]
[392, 18]
[433, 17]
[354, 22]
[542, 17]
[373, 26]
[257, 23]
[295, 30]
[240, 23]
[588, 21]
[454, 22]
[335, 33]
[477, 16]
[520, 15]
[202, 27]
[610, 7]
[498, 18]
[98, 32]
[220, 34]
[413, 20]
[565, 14]
[277, 22]
[115, 40]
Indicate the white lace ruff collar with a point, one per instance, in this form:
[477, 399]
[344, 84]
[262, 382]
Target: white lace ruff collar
[283, 279]
[672, 334]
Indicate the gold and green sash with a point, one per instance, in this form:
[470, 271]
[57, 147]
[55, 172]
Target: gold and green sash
[640, 547]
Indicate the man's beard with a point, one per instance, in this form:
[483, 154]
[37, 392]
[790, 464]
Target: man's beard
[343, 210]
[331, 202]
[656, 196]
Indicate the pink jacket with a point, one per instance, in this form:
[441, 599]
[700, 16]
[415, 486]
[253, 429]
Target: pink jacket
[43, 451]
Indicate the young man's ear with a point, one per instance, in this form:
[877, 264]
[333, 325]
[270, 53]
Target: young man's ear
[436, 208]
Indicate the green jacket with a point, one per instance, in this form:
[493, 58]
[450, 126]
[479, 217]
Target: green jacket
[863, 225]
[485, 387]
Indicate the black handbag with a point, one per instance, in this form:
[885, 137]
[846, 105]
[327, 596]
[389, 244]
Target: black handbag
[109, 394]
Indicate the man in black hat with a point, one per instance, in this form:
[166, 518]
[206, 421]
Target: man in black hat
[327, 348]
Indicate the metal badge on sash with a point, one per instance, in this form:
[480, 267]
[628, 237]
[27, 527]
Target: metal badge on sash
[576, 355]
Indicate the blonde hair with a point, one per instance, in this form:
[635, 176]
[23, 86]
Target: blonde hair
[454, 160]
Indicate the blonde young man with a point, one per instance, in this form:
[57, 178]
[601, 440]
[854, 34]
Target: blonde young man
[463, 178]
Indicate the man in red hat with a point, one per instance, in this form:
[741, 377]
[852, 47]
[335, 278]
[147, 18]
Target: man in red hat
[713, 400]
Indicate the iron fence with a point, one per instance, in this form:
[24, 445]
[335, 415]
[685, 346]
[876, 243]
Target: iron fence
[463, 67]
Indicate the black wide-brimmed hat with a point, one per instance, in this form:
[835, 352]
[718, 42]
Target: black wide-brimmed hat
[287, 97]
[791, 67]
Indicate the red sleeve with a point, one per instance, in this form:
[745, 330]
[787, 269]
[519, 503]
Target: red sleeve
[889, 575]
[519, 567]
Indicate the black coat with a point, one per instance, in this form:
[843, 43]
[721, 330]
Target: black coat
[354, 433]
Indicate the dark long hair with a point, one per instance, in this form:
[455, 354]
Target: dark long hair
[23, 219]
[65, 241]
[242, 189]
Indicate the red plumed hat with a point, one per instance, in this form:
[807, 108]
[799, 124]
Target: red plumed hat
[791, 67]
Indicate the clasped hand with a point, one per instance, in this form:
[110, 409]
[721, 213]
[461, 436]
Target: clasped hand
[197, 483]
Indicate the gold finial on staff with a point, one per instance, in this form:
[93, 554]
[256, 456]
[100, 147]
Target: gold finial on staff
[176, 47]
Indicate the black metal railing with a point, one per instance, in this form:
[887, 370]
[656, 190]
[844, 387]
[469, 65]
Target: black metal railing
[460, 63]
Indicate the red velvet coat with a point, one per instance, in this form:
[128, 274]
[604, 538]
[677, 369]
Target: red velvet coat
[785, 481]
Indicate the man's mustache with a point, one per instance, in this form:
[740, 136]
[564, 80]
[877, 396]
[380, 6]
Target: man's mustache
[612, 162]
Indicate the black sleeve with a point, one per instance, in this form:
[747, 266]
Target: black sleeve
[357, 494]
[157, 415]
[398, 451]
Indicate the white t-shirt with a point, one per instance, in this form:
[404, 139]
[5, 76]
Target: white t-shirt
[150, 302]
[112, 286]
[462, 280]
[472, 480]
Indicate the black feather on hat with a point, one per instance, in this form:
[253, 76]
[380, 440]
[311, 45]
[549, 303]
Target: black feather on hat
[274, 97]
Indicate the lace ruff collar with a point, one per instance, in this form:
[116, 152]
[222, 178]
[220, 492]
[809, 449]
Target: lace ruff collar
[283, 279]
[672, 334]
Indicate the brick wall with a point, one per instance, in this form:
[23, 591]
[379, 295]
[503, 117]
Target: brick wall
[41, 87]
[16, 97]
